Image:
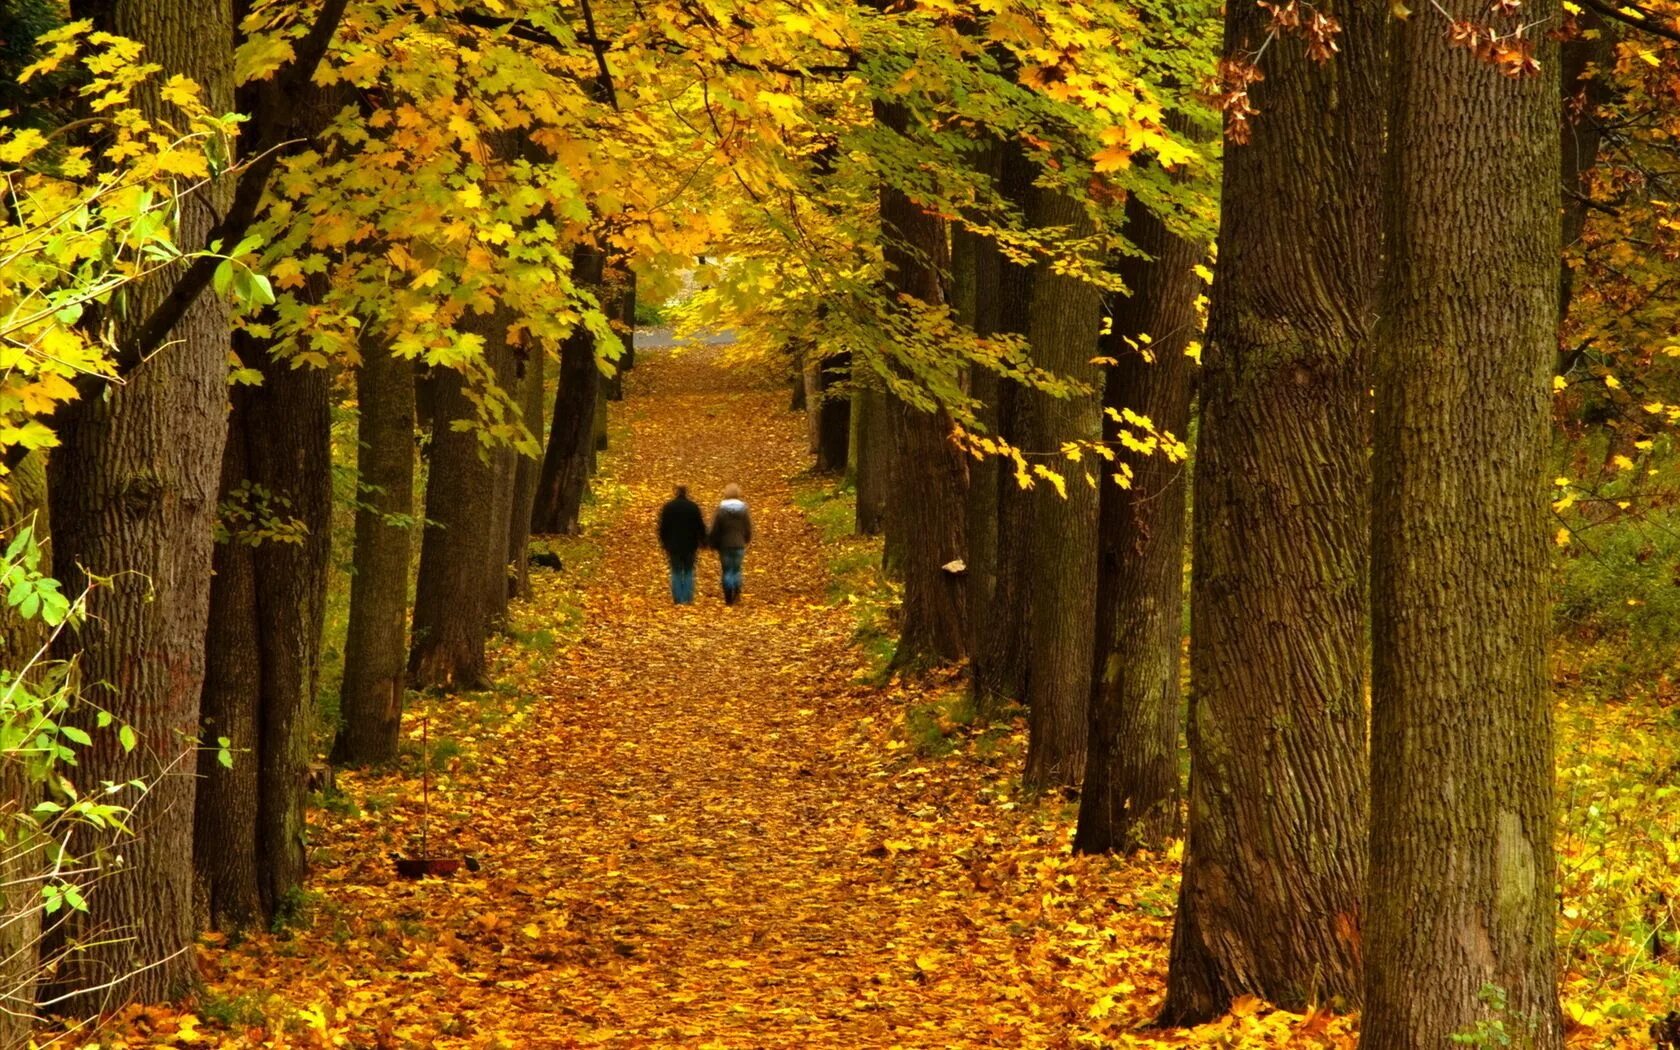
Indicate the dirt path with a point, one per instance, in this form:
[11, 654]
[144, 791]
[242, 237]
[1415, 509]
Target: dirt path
[697, 830]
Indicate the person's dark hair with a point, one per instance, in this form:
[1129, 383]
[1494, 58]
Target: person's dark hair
[682, 491]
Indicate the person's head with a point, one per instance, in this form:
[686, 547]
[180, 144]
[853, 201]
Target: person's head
[682, 491]
[732, 491]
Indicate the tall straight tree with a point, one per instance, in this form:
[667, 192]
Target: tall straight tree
[929, 473]
[25, 856]
[133, 495]
[376, 645]
[1001, 663]
[502, 459]
[263, 645]
[531, 367]
[565, 465]
[1130, 798]
[1462, 900]
[452, 613]
[1273, 876]
[1065, 319]
[871, 461]
[976, 269]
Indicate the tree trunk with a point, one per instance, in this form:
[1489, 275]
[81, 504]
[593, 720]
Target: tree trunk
[796, 382]
[811, 373]
[929, 473]
[1065, 320]
[133, 494]
[451, 601]
[24, 862]
[1001, 665]
[227, 852]
[873, 469]
[977, 269]
[1131, 795]
[1462, 908]
[834, 412]
[525, 474]
[502, 460]
[1585, 71]
[565, 466]
[376, 646]
[268, 602]
[1269, 903]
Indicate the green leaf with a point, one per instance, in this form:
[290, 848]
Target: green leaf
[77, 736]
[126, 736]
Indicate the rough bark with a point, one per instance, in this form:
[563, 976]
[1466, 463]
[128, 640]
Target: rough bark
[267, 603]
[133, 495]
[23, 854]
[451, 601]
[1273, 870]
[1462, 869]
[376, 645]
[929, 473]
[1130, 798]
[1065, 320]
[565, 466]
[533, 365]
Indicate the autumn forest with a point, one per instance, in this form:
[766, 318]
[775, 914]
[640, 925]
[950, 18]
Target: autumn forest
[1185, 541]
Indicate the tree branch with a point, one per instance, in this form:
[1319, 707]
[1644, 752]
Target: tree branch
[1644, 21]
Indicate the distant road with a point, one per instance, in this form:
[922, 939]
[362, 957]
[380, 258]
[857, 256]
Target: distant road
[654, 338]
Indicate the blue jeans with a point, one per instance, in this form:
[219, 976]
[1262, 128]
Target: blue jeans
[682, 582]
[731, 559]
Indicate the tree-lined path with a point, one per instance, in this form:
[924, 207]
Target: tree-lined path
[696, 826]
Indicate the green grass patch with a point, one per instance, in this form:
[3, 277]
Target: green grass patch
[855, 579]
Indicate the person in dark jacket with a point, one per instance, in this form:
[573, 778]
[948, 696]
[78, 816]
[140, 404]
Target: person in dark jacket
[682, 531]
[731, 532]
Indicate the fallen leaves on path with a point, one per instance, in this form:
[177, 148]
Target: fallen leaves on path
[697, 827]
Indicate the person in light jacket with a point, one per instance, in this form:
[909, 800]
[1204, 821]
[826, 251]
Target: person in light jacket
[731, 532]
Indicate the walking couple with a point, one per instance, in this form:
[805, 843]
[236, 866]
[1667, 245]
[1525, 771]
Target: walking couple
[682, 532]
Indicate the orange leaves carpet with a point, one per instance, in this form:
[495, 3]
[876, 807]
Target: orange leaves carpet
[697, 828]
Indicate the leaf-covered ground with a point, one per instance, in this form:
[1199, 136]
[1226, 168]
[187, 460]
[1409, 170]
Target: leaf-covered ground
[701, 827]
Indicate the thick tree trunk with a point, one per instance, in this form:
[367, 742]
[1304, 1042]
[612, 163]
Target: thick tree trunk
[834, 413]
[451, 601]
[1273, 870]
[376, 646]
[525, 474]
[1065, 320]
[929, 473]
[24, 861]
[1462, 868]
[1131, 794]
[267, 602]
[565, 466]
[133, 493]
